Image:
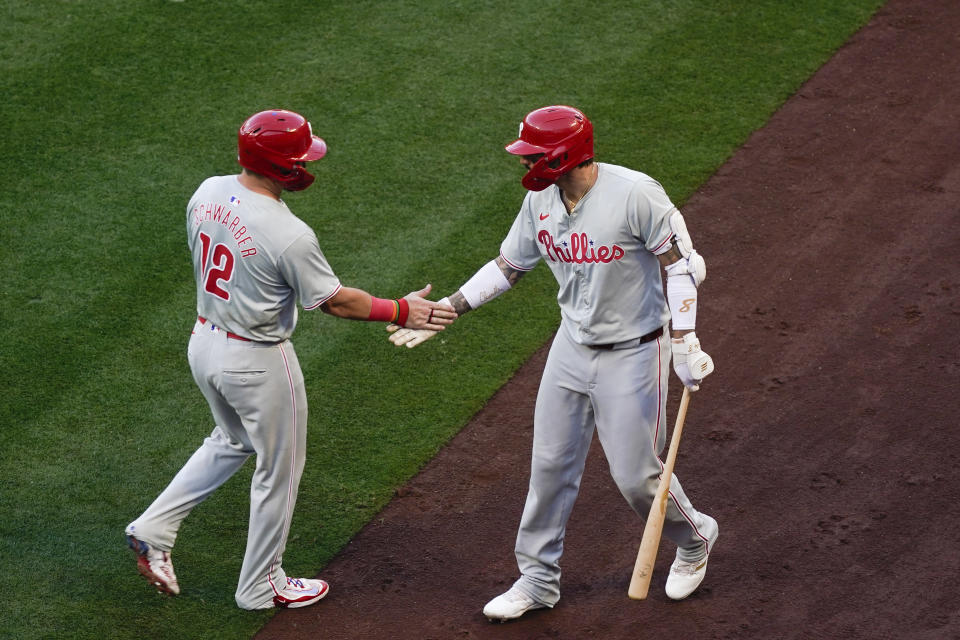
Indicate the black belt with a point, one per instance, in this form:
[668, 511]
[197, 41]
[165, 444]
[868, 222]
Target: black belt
[636, 342]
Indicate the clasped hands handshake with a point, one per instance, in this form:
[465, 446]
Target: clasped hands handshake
[425, 319]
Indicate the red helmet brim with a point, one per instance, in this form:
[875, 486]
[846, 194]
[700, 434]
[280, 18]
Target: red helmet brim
[318, 149]
[524, 148]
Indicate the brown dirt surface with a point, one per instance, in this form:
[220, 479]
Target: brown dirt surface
[826, 444]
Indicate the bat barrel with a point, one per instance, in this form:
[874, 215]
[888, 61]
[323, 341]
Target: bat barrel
[653, 530]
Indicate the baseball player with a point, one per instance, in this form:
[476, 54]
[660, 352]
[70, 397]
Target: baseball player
[253, 260]
[606, 232]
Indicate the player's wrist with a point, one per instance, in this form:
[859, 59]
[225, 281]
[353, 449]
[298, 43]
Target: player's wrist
[458, 302]
[382, 310]
[686, 343]
[403, 311]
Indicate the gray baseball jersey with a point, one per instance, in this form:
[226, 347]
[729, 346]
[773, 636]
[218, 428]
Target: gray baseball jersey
[603, 254]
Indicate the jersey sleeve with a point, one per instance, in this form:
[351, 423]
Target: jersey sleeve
[307, 271]
[649, 215]
[519, 249]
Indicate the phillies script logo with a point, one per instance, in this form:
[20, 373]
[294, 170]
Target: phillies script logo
[580, 249]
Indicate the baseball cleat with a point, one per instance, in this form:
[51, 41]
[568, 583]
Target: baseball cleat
[510, 605]
[301, 592]
[155, 566]
[685, 577]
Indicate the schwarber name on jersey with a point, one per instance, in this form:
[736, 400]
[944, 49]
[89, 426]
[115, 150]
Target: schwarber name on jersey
[253, 260]
[603, 253]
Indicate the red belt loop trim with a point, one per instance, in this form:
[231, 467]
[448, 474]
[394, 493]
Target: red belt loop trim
[229, 334]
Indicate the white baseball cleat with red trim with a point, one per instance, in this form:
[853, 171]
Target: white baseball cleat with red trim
[300, 592]
[155, 566]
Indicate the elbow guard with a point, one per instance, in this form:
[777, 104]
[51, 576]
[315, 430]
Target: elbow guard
[691, 262]
[692, 265]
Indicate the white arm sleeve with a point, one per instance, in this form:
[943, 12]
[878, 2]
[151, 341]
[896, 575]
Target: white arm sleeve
[681, 296]
[485, 285]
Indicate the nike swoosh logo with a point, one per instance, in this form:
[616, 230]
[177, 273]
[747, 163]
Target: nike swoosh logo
[544, 216]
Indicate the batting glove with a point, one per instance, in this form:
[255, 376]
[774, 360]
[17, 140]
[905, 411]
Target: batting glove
[411, 337]
[690, 363]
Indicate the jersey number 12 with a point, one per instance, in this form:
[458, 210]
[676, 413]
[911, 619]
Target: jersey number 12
[221, 267]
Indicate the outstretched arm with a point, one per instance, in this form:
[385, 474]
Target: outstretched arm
[485, 285]
[490, 281]
[413, 310]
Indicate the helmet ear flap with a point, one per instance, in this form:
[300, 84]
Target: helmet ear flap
[537, 178]
[292, 179]
[298, 180]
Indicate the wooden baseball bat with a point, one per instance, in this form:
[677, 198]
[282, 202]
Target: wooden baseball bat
[647, 555]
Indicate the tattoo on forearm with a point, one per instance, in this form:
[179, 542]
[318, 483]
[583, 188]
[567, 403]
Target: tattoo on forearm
[458, 302]
[670, 256]
[511, 274]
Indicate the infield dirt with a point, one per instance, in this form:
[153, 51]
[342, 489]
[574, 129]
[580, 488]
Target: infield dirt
[826, 444]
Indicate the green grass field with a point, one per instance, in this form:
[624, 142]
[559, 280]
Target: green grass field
[112, 114]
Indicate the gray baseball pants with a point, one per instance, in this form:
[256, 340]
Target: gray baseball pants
[259, 404]
[622, 392]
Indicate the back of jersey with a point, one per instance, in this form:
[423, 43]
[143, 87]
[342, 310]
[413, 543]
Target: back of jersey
[252, 260]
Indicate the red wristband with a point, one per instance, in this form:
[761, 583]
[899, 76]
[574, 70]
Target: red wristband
[382, 310]
[403, 311]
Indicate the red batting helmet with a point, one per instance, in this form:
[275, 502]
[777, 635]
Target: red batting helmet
[562, 134]
[271, 143]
